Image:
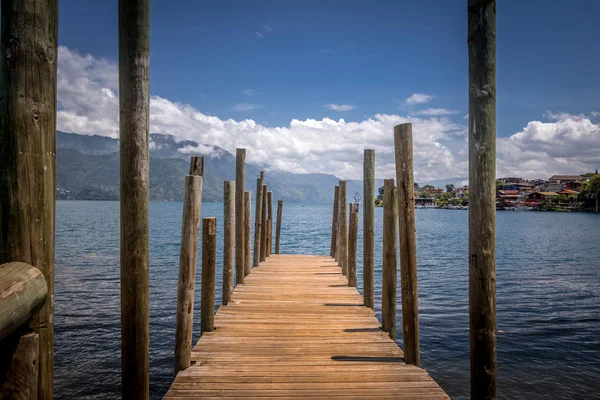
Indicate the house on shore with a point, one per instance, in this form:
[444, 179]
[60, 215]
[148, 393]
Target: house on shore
[541, 196]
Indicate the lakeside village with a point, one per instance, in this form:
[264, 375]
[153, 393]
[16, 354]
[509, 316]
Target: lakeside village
[558, 193]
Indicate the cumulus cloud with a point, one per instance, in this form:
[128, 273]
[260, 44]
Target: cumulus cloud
[340, 107]
[436, 111]
[418, 98]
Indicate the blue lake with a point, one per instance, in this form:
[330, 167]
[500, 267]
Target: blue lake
[548, 288]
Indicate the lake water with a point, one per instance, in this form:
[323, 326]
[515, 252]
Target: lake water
[548, 284]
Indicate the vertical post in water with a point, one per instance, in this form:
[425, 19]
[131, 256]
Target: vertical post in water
[342, 236]
[270, 224]
[352, 244]
[390, 258]
[209, 251]
[28, 154]
[278, 229]
[408, 242]
[257, 221]
[263, 217]
[247, 232]
[134, 110]
[240, 226]
[369, 228]
[228, 239]
[336, 202]
[192, 203]
[482, 210]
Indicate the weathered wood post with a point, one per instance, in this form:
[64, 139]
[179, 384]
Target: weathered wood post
[228, 240]
[278, 228]
[264, 230]
[336, 202]
[209, 259]
[352, 244]
[369, 228]
[27, 154]
[408, 242]
[270, 224]
[342, 236]
[482, 211]
[390, 258]
[240, 226]
[258, 220]
[247, 232]
[134, 110]
[21, 380]
[190, 226]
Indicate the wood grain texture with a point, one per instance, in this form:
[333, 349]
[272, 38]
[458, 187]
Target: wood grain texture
[278, 226]
[257, 221]
[369, 228]
[390, 258]
[21, 381]
[342, 236]
[263, 223]
[482, 207]
[28, 53]
[229, 226]
[352, 244]
[248, 232]
[296, 330]
[270, 223]
[209, 261]
[240, 225]
[336, 203]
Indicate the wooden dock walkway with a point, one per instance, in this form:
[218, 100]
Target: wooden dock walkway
[295, 329]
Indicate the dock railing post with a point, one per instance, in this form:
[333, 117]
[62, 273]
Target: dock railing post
[228, 240]
[408, 242]
[352, 244]
[482, 210]
[264, 230]
[248, 231]
[134, 106]
[28, 66]
[257, 221]
[270, 224]
[390, 258]
[240, 226]
[209, 251]
[342, 236]
[190, 230]
[278, 228]
[369, 228]
[334, 218]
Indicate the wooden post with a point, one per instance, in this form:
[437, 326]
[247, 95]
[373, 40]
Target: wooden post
[228, 240]
[390, 258]
[336, 202]
[270, 224]
[369, 228]
[257, 221]
[240, 226]
[278, 229]
[134, 110]
[209, 251]
[408, 242]
[352, 244]
[188, 254]
[264, 230]
[21, 380]
[247, 232]
[27, 154]
[482, 210]
[342, 236]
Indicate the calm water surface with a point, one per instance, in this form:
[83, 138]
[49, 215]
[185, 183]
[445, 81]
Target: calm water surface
[548, 283]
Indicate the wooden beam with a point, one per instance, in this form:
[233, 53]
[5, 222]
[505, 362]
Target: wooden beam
[336, 203]
[390, 258]
[209, 260]
[240, 226]
[352, 244]
[257, 221]
[28, 52]
[278, 231]
[342, 236]
[369, 228]
[263, 223]
[482, 207]
[270, 224]
[22, 378]
[247, 232]
[228, 240]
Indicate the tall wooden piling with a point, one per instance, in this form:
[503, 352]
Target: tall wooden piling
[209, 258]
[257, 221]
[28, 52]
[134, 105]
[228, 240]
[390, 258]
[247, 232]
[482, 211]
[270, 224]
[278, 229]
[369, 228]
[264, 230]
[352, 244]
[192, 204]
[240, 226]
[334, 219]
[342, 236]
[408, 242]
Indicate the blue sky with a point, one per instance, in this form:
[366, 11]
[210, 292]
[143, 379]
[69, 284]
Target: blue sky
[276, 61]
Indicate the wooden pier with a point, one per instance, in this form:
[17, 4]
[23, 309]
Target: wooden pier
[295, 329]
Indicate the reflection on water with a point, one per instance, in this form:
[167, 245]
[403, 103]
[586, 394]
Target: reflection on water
[548, 278]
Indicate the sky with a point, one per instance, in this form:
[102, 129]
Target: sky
[305, 86]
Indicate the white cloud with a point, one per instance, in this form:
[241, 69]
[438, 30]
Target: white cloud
[267, 28]
[249, 92]
[246, 107]
[418, 98]
[260, 35]
[340, 107]
[436, 112]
